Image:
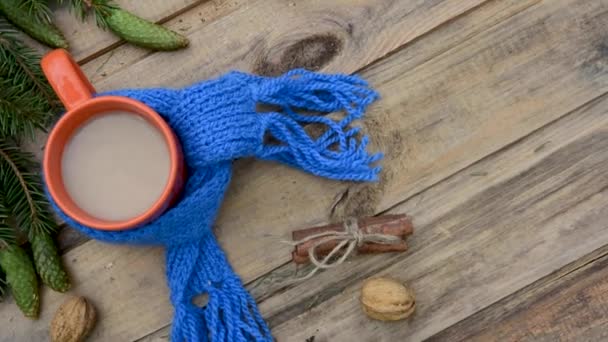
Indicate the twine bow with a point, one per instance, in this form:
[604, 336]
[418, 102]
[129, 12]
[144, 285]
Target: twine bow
[348, 239]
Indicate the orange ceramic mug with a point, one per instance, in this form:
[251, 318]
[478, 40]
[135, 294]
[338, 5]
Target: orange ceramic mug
[76, 94]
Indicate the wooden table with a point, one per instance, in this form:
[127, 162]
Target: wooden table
[494, 119]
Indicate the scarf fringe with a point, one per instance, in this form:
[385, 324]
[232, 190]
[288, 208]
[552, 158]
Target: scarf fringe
[230, 314]
[337, 153]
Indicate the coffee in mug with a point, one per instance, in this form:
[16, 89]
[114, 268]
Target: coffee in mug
[111, 162]
[116, 166]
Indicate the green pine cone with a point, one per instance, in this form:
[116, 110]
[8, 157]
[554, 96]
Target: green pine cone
[143, 33]
[21, 278]
[48, 262]
[43, 32]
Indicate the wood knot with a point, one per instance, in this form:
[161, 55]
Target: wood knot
[311, 53]
[596, 62]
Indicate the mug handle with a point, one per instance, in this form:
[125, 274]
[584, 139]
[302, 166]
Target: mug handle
[67, 79]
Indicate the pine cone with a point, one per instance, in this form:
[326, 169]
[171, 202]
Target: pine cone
[141, 32]
[21, 278]
[45, 33]
[48, 262]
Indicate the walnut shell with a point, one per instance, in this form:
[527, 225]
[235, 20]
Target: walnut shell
[387, 299]
[73, 321]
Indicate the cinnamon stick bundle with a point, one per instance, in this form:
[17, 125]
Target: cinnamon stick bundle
[391, 225]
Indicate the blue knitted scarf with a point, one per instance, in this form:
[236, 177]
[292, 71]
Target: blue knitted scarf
[216, 122]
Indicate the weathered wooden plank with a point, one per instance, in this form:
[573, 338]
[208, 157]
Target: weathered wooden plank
[567, 305]
[87, 40]
[417, 15]
[337, 35]
[489, 244]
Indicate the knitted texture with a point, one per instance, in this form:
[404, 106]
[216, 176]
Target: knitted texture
[216, 122]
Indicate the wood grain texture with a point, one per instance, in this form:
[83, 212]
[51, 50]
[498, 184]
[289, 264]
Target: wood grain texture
[567, 305]
[337, 35]
[87, 40]
[541, 204]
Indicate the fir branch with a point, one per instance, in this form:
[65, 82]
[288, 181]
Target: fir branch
[101, 10]
[22, 190]
[20, 65]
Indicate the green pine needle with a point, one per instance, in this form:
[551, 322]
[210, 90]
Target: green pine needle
[22, 190]
[21, 64]
[8, 235]
[3, 284]
[20, 113]
[38, 9]
[100, 8]
[27, 101]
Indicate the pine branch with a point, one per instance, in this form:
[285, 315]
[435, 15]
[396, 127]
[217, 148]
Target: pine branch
[22, 190]
[101, 9]
[128, 26]
[21, 65]
[27, 101]
[20, 114]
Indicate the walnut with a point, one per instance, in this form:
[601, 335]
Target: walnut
[73, 321]
[387, 299]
